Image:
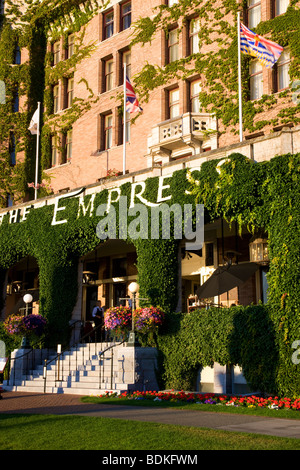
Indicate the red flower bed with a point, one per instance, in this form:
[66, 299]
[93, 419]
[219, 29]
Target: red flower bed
[210, 398]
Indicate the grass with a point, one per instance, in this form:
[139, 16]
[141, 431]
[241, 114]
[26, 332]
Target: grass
[256, 411]
[52, 432]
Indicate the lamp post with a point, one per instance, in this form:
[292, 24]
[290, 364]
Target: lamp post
[27, 299]
[133, 288]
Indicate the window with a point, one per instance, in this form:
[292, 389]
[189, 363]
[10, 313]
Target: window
[108, 75]
[56, 52]
[254, 13]
[256, 82]
[69, 139]
[280, 6]
[108, 131]
[174, 103]
[2, 92]
[127, 124]
[119, 267]
[17, 55]
[70, 92]
[54, 152]
[283, 65]
[55, 99]
[16, 102]
[70, 47]
[12, 149]
[173, 45]
[108, 25]
[9, 200]
[172, 2]
[194, 36]
[209, 254]
[126, 59]
[125, 16]
[195, 88]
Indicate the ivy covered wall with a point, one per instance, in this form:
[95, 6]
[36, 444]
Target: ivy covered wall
[217, 62]
[257, 195]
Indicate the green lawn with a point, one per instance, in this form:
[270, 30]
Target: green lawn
[51, 432]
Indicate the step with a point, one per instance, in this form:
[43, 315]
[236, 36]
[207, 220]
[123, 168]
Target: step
[84, 370]
[60, 390]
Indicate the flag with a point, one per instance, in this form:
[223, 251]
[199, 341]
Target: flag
[267, 52]
[132, 104]
[33, 127]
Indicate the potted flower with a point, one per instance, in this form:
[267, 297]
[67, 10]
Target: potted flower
[118, 320]
[28, 326]
[147, 320]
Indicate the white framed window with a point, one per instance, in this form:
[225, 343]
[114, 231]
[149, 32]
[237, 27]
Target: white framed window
[195, 88]
[173, 44]
[54, 151]
[108, 24]
[108, 131]
[55, 99]
[109, 74]
[280, 6]
[283, 65]
[125, 15]
[70, 92]
[56, 52]
[70, 48]
[194, 35]
[126, 59]
[254, 13]
[69, 139]
[174, 103]
[256, 80]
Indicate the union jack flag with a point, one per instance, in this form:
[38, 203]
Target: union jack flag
[267, 52]
[132, 104]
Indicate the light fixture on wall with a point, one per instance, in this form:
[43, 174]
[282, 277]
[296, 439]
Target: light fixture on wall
[259, 252]
[88, 276]
[230, 254]
[17, 286]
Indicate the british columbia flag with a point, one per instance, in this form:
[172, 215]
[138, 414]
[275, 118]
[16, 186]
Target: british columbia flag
[267, 52]
[132, 104]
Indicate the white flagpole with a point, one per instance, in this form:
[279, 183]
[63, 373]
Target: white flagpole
[124, 123]
[240, 78]
[37, 152]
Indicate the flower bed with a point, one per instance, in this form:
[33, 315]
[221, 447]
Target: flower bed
[252, 401]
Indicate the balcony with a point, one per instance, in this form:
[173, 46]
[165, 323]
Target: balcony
[186, 135]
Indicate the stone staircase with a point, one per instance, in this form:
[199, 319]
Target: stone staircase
[87, 370]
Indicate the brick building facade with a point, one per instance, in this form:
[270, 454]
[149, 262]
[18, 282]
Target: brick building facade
[172, 131]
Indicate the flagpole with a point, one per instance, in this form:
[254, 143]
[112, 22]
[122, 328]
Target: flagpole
[240, 78]
[37, 152]
[124, 123]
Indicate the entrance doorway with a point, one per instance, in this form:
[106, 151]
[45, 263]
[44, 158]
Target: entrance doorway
[91, 301]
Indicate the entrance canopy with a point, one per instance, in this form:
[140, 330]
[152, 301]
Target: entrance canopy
[225, 278]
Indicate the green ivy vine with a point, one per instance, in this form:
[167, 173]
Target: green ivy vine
[220, 95]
